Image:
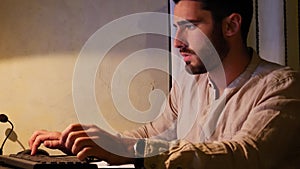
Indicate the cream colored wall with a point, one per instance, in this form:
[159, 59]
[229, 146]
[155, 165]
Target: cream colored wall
[39, 44]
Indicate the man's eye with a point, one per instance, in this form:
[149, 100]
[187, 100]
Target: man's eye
[190, 26]
[174, 26]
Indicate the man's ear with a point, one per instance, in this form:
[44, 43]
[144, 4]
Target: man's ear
[232, 24]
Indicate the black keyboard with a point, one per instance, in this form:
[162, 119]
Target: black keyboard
[25, 161]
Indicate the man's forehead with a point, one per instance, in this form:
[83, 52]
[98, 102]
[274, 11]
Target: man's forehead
[190, 0]
[200, 1]
[188, 10]
[189, 5]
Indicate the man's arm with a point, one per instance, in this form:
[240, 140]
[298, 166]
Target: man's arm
[271, 147]
[269, 137]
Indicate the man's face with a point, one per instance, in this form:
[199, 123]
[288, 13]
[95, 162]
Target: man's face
[193, 24]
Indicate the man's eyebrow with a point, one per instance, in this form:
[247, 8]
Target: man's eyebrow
[184, 22]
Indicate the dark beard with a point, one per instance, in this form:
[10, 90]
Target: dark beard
[220, 45]
[195, 70]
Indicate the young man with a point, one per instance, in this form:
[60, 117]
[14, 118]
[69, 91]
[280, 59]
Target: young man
[249, 119]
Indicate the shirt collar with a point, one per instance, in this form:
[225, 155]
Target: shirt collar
[241, 79]
[245, 76]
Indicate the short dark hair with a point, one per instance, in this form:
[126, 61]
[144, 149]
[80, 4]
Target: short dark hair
[223, 8]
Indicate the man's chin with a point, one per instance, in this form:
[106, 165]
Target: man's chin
[194, 71]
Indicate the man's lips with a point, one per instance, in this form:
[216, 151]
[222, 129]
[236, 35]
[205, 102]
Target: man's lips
[186, 56]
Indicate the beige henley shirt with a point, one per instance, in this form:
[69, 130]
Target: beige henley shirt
[254, 124]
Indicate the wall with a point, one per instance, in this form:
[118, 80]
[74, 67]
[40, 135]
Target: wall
[293, 34]
[271, 32]
[39, 45]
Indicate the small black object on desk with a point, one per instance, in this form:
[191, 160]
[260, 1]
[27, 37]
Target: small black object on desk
[38, 152]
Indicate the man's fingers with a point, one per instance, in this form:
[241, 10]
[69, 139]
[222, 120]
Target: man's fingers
[37, 139]
[68, 130]
[72, 137]
[84, 153]
[72, 132]
[40, 137]
[34, 135]
[81, 143]
[52, 144]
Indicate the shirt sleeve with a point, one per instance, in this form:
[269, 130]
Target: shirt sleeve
[269, 138]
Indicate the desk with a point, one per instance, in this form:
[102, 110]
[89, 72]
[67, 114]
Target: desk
[4, 166]
[103, 164]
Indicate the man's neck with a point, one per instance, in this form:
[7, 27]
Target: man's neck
[233, 65]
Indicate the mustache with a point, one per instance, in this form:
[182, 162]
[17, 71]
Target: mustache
[187, 50]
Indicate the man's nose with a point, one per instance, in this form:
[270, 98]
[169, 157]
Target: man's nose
[179, 41]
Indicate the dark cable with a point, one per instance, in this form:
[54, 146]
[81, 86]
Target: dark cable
[4, 119]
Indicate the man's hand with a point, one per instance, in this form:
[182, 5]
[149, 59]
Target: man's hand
[49, 139]
[90, 140]
[86, 141]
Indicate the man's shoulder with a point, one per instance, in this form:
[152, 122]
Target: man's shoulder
[274, 71]
[271, 73]
[272, 80]
[284, 73]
